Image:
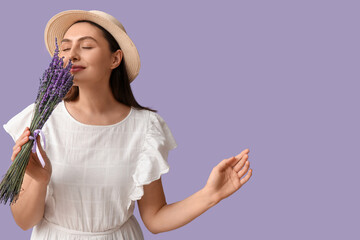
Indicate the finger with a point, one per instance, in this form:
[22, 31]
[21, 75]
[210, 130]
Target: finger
[224, 164]
[22, 139]
[15, 153]
[25, 133]
[247, 177]
[244, 169]
[21, 142]
[240, 155]
[17, 147]
[240, 163]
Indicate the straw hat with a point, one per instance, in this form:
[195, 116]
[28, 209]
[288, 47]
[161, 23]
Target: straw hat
[60, 23]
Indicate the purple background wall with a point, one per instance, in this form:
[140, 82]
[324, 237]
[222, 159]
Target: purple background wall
[278, 77]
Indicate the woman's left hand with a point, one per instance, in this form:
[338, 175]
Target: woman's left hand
[225, 178]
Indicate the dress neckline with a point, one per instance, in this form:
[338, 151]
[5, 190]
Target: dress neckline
[62, 104]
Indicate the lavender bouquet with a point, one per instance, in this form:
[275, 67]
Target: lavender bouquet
[54, 85]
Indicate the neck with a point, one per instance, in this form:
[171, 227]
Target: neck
[97, 100]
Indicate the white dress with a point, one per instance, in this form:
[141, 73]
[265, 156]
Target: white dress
[98, 172]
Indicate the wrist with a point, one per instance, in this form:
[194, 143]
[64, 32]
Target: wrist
[210, 196]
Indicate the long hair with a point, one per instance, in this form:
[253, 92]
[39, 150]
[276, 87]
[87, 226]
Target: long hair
[119, 80]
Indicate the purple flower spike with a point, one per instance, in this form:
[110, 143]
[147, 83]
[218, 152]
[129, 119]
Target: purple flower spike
[55, 83]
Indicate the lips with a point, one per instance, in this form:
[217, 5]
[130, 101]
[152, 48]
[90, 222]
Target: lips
[76, 68]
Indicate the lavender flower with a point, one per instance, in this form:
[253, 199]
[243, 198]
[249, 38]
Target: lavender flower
[55, 83]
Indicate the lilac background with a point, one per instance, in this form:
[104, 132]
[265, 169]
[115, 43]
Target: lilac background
[278, 77]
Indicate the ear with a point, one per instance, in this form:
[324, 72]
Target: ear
[116, 59]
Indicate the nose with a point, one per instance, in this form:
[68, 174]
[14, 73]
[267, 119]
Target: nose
[73, 54]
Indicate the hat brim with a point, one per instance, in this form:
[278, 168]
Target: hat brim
[60, 23]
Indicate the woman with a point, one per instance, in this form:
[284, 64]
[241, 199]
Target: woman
[103, 150]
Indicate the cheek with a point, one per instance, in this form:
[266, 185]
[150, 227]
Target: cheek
[101, 61]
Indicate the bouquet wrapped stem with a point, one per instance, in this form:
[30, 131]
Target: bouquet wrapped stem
[54, 85]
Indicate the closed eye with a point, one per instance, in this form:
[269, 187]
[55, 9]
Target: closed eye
[66, 49]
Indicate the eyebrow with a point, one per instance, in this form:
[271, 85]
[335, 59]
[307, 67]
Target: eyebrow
[80, 39]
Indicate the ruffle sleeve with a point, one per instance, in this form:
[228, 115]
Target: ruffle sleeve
[17, 124]
[152, 161]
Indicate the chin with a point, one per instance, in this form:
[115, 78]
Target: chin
[74, 80]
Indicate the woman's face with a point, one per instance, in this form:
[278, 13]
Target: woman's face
[86, 46]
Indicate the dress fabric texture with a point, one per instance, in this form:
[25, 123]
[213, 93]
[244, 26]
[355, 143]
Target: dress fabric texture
[98, 172]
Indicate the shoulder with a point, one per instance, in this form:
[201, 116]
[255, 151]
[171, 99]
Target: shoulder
[16, 125]
[141, 115]
[148, 117]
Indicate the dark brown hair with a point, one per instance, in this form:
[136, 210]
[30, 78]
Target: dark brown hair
[119, 80]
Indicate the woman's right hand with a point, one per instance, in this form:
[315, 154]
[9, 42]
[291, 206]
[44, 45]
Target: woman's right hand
[34, 168]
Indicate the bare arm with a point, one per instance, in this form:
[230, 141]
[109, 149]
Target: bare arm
[224, 180]
[158, 216]
[28, 210]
